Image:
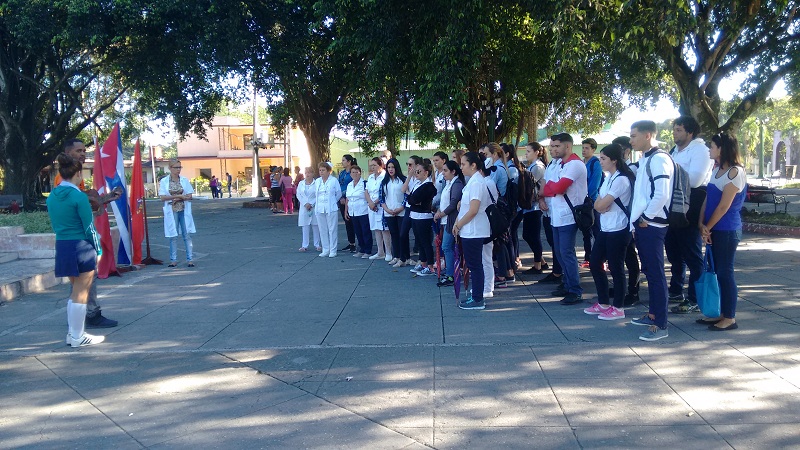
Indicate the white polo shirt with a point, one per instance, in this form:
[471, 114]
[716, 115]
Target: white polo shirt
[393, 197]
[617, 186]
[574, 169]
[478, 227]
[550, 174]
[356, 201]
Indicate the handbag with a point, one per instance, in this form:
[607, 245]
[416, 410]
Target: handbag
[498, 223]
[583, 213]
[707, 287]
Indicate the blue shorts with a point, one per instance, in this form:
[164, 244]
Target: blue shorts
[74, 257]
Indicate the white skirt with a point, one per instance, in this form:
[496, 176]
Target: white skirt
[376, 220]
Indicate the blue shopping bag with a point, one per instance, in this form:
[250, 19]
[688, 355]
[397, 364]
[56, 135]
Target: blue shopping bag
[707, 287]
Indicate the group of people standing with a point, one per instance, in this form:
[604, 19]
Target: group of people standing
[448, 197]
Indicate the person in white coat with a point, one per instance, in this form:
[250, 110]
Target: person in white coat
[176, 192]
[306, 197]
[326, 209]
[382, 236]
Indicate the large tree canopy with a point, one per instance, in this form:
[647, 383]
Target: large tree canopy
[62, 64]
[699, 43]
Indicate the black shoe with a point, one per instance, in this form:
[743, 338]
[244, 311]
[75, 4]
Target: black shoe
[676, 298]
[349, 247]
[99, 321]
[445, 281]
[533, 271]
[549, 279]
[571, 299]
[631, 299]
[685, 308]
[561, 292]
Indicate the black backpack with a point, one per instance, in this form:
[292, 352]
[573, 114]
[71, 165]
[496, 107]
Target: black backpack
[526, 189]
[681, 190]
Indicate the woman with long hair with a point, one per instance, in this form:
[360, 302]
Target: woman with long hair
[447, 215]
[77, 246]
[382, 236]
[611, 243]
[391, 200]
[176, 192]
[536, 157]
[420, 199]
[472, 227]
[306, 195]
[287, 191]
[358, 212]
[721, 224]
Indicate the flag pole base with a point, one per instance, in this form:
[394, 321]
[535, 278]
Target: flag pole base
[150, 261]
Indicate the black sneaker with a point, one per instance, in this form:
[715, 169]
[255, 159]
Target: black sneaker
[445, 281]
[685, 308]
[631, 299]
[561, 292]
[571, 299]
[472, 304]
[533, 271]
[549, 279]
[99, 321]
[348, 247]
[676, 298]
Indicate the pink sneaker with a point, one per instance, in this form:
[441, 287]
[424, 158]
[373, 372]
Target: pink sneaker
[595, 309]
[612, 313]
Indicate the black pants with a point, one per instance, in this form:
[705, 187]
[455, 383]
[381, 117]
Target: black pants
[393, 224]
[515, 234]
[532, 233]
[548, 234]
[348, 225]
[632, 264]
[611, 246]
[589, 237]
[423, 235]
[405, 236]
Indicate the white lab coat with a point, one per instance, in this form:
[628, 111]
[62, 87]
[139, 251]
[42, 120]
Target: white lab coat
[306, 193]
[170, 228]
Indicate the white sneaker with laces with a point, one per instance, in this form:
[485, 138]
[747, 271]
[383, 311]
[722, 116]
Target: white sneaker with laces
[399, 263]
[388, 258]
[375, 256]
[85, 340]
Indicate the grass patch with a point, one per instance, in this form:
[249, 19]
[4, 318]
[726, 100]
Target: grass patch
[786, 220]
[791, 186]
[32, 222]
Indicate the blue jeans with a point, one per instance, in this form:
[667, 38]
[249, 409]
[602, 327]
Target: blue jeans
[448, 248]
[684, 249]
[548, 234]
[473, 258]
[723, 248]
[650, 243]
[180, 226]
[564, 244]
[611, 246]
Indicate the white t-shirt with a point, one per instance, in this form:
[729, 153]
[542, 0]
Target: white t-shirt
[444, 202]
[394, 195]
[550, 174]
[574, 169]
[356, 202]
[374, 186]
[478, 227]
[720, 181]
[617, 186]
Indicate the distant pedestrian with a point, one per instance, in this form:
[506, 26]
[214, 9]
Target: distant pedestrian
[77, 246]
[229, 179]
[176, 192]
[275, 189]
[214, 185]
[287, 192]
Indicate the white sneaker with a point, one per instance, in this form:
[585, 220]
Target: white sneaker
[399, 263]
[332, 255]
[425, 272]
[86, 339]
[358, 255]
[69, 338]
[323, 255]
[375, 256]
[366, 256]
[393, 261]
[488, 294]
[388, 258]
[416, 269]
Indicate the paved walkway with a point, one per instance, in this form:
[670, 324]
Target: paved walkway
[262, 346]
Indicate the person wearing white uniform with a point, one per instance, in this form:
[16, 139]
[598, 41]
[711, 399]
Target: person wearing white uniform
[326, 209]
[176, 192]
[611, 242]
[392, 202]
[358, 212]
[306, 196]
[684, 246]
[382, 236]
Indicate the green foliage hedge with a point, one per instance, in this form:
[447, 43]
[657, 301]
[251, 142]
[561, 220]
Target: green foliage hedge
[32, 222]
[786, 220]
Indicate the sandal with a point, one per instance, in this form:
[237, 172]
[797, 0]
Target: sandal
[302, 249]
[173, 264]
[191, 264]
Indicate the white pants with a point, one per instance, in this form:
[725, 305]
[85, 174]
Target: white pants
[305, 228]
[329, 231]
[488, 268]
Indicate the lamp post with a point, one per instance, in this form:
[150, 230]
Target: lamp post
[257, 191]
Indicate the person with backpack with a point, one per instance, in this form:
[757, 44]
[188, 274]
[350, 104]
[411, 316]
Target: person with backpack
[631, 258]
[570, 187]
[649, 220]
[530, 214]
[501, 177]
[551, 174]
[594, 177]
[512, 198]
[684, 246]
[611, 243]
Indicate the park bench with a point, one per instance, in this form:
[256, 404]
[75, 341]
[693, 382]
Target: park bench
[5, 202]
[764, 194]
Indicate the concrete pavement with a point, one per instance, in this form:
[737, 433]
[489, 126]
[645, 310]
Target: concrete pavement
[261, 346]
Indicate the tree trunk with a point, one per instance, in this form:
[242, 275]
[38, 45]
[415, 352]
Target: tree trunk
[318, 136]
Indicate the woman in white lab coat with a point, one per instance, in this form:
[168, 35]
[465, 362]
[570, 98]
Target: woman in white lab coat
[376, 223]
[176, 192]
[326, 209]
[306, 197]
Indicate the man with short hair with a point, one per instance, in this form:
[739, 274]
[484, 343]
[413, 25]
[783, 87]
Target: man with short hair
[594, 177]
[551, 174]
[571, 183]
[75, 148]
[684, 246]
[649, 211]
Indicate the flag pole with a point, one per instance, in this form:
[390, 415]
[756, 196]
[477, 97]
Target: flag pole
[149, 260]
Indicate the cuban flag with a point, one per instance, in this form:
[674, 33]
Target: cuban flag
[114, 173]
